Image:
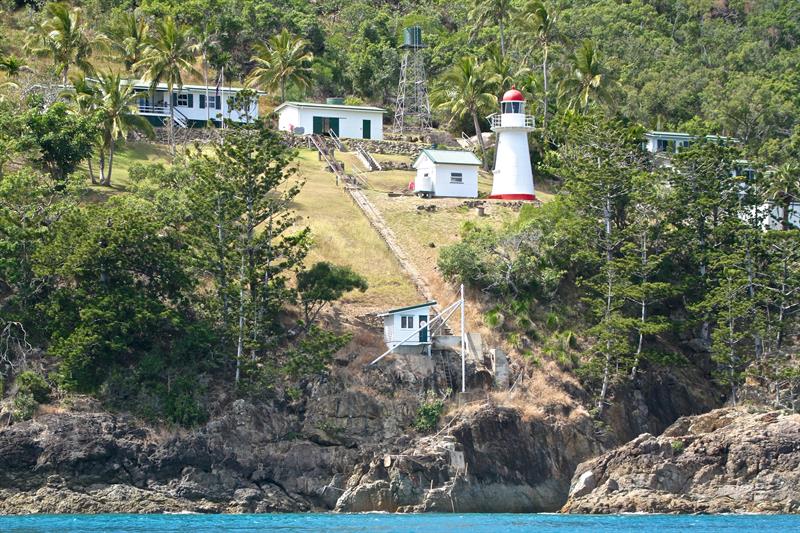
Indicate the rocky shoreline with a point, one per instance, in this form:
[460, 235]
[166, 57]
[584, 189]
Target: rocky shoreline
[724, 461]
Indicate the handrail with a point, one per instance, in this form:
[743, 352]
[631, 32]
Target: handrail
[163, 111]
[336, 140]
[367, 158]
[496, 120]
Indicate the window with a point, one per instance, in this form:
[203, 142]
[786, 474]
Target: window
[183, 100]
[456, 177]
[407, 322]
[661, 145]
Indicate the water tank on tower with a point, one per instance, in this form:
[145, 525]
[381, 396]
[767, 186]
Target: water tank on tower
[513, 175]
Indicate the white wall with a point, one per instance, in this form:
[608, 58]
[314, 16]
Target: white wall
[424, 166]
[468, 188]
[394, 334]
[289, 118]
[197, 113]
[350, 120]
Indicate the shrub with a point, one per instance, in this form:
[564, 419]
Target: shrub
[34, 384]
[428, 414]
[24, 406]
[677, 447]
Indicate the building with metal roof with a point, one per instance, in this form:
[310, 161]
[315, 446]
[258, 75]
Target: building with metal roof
[447, 173]
[345, 121]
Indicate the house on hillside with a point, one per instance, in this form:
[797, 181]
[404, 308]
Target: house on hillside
[346, 121]
[447, 173]
[407, 326]
[192, 105]
[673, 142]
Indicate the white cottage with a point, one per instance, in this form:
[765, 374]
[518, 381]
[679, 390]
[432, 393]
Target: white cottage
[399, 325]
[346, 121]
[452, 173]
[193, 104]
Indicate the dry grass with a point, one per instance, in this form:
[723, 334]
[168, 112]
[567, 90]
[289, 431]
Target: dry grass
[343, 236]
[541, 393]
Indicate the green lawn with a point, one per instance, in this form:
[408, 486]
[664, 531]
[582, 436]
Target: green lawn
[127, 155]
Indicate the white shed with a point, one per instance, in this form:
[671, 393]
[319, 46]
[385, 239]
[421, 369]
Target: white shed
[452, 173]
[347, 121]
[399, 324]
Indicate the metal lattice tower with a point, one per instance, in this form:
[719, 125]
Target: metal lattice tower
[413, 111]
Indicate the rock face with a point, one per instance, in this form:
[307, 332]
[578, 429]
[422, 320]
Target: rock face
[492, 461]
[728, 460]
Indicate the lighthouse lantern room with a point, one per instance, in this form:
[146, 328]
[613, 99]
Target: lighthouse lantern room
[513, 176]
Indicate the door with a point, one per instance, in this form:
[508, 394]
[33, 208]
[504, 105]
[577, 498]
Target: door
[423, 333]
[333, 124]
[318, 125]
[366, 127]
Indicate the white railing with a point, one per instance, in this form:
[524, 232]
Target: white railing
[511, 120]
[163, 111]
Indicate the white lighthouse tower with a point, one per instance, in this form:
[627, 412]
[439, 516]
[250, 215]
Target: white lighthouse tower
[513, 176]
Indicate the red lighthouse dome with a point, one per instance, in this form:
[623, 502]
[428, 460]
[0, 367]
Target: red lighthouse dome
[513, 95]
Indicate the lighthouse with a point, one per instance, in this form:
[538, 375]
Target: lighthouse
[513, 177]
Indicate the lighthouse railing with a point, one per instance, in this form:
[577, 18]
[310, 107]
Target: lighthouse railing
[511, 120]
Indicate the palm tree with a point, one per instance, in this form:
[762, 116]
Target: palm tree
[64, 37]
[466, 90]
[170, 53]
[501, 69]
[205, 40]
[784, 189]
[283, 61]
[82, 92]
[129, 35]
[539, 28]
[12, 66]
[113, 100]
[587, 79]
[117, 103]
[485, 12]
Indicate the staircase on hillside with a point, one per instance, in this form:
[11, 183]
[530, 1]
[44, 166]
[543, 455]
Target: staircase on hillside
[367, 158]
[337, 142]
[441, 368]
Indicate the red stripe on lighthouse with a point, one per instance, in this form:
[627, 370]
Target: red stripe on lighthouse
[529, 197]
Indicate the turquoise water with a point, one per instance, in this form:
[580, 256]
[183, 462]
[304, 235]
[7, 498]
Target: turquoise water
[385, 523]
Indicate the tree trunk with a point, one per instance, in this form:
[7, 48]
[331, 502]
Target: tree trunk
[107, 179]
[502, 38]
[545, 87]
[171, 129]
[609, 258]
[91, 171]
[205, 80]
[240, 343]
[476, 123]
[787, 205]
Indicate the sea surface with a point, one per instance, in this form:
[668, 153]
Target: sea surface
[389, 523]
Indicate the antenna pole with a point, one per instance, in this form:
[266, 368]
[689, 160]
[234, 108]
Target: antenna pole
[463, 345]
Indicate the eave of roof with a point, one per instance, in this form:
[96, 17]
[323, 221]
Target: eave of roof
[409, 308]
[163, 86]
[445, 157]
[315, 105]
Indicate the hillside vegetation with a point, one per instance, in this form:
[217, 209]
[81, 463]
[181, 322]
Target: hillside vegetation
[168, 288]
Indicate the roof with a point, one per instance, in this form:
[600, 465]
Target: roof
[450, 157]
[139, 84]
[513, 95]
[409, 308]
[314, 105]
[679, 136]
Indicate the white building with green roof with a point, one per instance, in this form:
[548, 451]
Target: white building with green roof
[447, 173]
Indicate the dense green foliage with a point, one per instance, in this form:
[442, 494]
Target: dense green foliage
[649, 264]
[636, 264]
[149, 299]
[722, 66]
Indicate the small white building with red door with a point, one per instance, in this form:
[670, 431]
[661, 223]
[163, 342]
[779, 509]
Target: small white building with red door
[513, 174]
